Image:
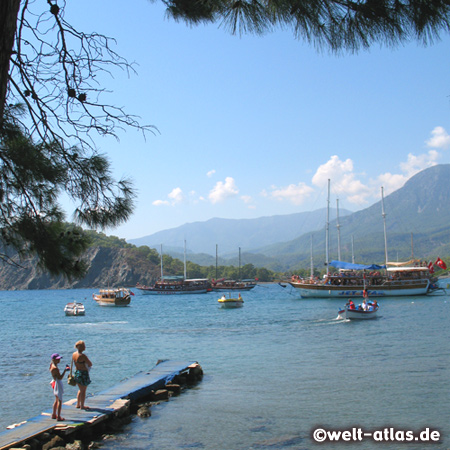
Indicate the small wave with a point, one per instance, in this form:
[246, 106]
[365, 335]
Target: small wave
[89, 324]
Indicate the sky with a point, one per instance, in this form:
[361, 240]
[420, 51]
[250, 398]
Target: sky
[251, 126]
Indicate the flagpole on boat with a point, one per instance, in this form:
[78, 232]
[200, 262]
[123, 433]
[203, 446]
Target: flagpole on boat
[384, 225]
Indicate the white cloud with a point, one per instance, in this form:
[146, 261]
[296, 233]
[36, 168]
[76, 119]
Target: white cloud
[390, 183]
[176, 196]
[210, 173]
[343, 180]
[439, 139]
[223, 190]
[294, 193]
[415, 164]
[246, 198]
[160, 203]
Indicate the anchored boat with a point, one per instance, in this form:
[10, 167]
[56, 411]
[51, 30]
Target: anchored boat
[113, 297]
[177, 285]
[231, 302]
[74, 309]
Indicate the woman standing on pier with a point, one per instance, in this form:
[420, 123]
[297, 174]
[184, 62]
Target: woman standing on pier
[82, 365]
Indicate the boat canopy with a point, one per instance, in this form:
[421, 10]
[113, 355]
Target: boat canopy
[351, 266]
[411, 262]
[407, 269]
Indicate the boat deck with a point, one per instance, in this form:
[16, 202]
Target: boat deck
[101, 405]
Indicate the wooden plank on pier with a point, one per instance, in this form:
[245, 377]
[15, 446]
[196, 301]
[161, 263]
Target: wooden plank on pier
[100, 405]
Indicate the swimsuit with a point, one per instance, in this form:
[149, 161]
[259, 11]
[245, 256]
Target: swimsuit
[82, 377]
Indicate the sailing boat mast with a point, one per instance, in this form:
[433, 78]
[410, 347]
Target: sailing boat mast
[312, 262]
[338, 226]
[185, 259]
[216, 260]
[353, 253]
[384, 224]
[240, 278]
[327, 230]
[162, 276]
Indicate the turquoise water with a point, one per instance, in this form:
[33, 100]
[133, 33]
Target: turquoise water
[274, 370]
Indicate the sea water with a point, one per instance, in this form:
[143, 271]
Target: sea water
[274, 370]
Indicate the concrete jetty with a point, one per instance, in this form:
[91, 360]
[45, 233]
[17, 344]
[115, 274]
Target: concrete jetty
[104, 405]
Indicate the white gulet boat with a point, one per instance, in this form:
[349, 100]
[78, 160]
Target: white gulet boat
[350, 280]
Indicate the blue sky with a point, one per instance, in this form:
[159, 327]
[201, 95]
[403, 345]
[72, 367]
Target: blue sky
[254, 126]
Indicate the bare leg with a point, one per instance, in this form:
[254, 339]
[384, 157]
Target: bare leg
[55, 406]
[59, 410]
[82, 396]
[79, 396]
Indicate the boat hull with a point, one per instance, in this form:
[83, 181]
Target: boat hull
[234, 288]
[153, 291]
[356, 314]
[393, 289]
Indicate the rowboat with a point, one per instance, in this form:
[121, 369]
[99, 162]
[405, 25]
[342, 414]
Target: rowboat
[113, 297]
[231, 302]
[74, 309]
[358, 313]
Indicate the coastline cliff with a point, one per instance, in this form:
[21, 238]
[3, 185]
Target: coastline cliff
[109, 267]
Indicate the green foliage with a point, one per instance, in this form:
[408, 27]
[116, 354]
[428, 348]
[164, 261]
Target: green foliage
[97, 239]
[32, 175]
[334, 24]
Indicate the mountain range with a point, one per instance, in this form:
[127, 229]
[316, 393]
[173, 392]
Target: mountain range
[417, 218]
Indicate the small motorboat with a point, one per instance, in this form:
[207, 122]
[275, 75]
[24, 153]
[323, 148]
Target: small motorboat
[74, 309]
[231, 302]
[359, 313]
[113, 297]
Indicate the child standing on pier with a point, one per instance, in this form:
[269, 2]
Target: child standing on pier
[57, 385]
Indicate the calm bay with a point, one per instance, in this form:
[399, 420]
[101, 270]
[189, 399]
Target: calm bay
[275, 370]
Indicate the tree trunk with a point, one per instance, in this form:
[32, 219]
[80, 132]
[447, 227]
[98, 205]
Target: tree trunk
[9, 9]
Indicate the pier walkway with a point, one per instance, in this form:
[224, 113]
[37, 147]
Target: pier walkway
[101, 405]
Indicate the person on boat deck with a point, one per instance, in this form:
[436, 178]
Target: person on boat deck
[364, 305]
[57, 385]
[350, 304]
[370, 307]
[82, 365]
[223, 297]
[239, 297]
